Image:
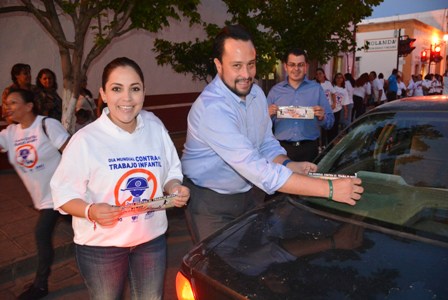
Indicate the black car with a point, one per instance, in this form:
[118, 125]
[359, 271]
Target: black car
[392, 245]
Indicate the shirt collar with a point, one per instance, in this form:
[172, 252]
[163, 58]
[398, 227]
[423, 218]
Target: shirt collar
[305, 81]
[104, 115]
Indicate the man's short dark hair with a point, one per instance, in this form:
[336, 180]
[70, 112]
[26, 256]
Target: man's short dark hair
[236, 32]
[17, 69]
[295, 52]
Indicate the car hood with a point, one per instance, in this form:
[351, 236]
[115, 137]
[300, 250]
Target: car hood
[285, 251]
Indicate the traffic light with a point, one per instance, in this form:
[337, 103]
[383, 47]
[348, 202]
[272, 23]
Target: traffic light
[405, 45]
[424, 56]
[435, 54]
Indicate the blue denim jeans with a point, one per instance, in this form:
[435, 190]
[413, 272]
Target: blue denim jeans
[106, 269]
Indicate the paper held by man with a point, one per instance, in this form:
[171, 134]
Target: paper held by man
[295, 112]
[331, 176]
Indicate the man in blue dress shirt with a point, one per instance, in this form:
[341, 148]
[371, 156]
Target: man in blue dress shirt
[231, 158]
[299, 136]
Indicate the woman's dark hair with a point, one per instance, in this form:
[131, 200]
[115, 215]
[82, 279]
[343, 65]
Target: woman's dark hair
[48, 72]
[343, 81]
[120, 62]
[236, 32]
[322, 70]
[295, 52]
[349, 77]
[27, 97]
[363, 79]
[17, 69]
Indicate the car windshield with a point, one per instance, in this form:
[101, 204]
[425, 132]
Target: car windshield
[402, 159]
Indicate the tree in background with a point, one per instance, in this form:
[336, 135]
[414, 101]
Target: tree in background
[322, 27]
[108, 19]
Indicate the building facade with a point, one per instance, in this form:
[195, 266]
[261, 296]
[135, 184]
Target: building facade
[382, 35]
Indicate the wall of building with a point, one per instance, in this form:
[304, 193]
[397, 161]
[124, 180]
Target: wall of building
[25, 40]
[427, 28]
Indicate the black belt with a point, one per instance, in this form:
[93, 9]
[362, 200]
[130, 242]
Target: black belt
[298, 143]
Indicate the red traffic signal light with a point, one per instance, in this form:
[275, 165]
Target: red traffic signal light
[405, 45]
[424, 55]
[435, 54]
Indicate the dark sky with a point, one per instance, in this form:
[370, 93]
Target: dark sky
[399, 7]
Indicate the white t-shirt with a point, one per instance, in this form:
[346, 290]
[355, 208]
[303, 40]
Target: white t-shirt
[341, 98]
[35, 155]
[427, 84]
[105, 164]
[381, 86]
[401, 86]
[328, 89]
[376, 86]
[410, 88]
[418, 88]
[359, 91]
[349, 88]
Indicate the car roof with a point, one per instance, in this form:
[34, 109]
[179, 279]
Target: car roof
[426, 103]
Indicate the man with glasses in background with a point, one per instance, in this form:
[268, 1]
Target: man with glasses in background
[299, 134]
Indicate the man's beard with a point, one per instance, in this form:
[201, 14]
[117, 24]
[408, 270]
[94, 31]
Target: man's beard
[238, 93]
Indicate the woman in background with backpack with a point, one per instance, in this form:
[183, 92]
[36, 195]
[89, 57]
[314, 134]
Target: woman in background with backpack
[34, 145]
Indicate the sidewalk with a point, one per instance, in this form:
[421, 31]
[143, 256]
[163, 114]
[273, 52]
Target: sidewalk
[18, 250]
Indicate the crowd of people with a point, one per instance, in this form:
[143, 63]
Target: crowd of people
[350, 98]
[47, 100]
[237, 151]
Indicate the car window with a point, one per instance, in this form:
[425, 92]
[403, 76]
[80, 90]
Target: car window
[402, 159]
[412, 145]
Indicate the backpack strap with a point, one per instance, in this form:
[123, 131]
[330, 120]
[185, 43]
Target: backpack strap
[44, 127]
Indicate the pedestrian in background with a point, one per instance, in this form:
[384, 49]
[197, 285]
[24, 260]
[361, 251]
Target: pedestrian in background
[392, 86]
[328, 88]
[21, 79]
[346, 118]
[299, 137]
[48, 101]
[410, 87]
[341, 96]
[377, 89]
[438, 88]
[126, 156]
[86, 103]
[382, 87]
[401, 91]
[361, 94]
[418, 86]
[34, 145]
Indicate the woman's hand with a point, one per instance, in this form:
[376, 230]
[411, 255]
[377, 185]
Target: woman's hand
[104, 214]
[182, 192]
[182, 195]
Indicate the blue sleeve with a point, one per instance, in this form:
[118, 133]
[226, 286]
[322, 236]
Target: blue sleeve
[221, 129]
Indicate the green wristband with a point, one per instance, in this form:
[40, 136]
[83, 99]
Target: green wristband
[330, 185]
